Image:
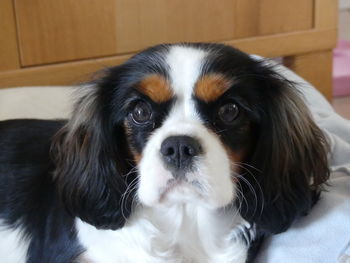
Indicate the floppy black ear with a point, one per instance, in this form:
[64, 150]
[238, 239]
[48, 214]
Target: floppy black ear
[92, 163]
[289, 159]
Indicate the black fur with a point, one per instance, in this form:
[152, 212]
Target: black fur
[92, 155]
[28, 197]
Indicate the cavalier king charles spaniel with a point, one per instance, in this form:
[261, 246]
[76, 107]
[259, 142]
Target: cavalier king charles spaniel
[184, 153]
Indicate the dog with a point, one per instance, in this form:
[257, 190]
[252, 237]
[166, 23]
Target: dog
[187, 152]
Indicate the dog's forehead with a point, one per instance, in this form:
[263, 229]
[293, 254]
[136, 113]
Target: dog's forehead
[187, 76]
[185, 67]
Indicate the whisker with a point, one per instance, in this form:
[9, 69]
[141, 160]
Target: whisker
[241, 165]
[125, 196]
[260, 189]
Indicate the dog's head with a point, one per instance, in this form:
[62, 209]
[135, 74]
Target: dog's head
[190, 123]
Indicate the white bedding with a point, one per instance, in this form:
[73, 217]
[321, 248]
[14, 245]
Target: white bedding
[323, 236]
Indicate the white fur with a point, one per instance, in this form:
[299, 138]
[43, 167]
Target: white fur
[13, 247]
[185, 65]
[176, 234]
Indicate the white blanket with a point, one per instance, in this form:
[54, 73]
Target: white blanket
[321, 237]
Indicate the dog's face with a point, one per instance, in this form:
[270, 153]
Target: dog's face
[188, 130]
[192, 123]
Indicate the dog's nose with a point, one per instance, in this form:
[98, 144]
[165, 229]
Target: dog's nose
[179, 151]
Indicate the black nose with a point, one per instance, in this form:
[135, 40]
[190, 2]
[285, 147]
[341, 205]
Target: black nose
[179, 151]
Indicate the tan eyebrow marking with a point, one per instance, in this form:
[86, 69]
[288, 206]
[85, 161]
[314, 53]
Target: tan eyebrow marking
[156, 87]
[211, 87]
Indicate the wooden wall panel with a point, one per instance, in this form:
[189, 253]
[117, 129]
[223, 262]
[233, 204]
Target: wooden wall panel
[71, 73]
[326, 14]
[55, 31]
[75, 72]
[287, 44]
[267, 17]
[280, 16]
[173, 21]
[9, 57]
[247, 18]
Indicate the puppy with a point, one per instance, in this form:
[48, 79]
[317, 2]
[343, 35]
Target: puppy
[184, 153]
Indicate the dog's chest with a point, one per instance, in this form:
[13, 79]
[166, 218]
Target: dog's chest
[174, 235]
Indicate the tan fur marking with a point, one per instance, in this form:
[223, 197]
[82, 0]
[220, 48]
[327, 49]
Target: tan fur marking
[236, 158]
[211, 87]
[156, 88]
[136, 156]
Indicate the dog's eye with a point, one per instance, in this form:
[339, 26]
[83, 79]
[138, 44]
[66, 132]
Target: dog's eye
[228, 113]
[141, 113]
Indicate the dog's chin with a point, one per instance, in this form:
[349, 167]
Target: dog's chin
[182, 191]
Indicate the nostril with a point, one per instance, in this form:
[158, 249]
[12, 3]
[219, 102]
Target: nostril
[169, 151]
[188, 151]
[191, 148]
[168, 148]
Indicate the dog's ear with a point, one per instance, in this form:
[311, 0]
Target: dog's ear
[289, 162]
[92, 162]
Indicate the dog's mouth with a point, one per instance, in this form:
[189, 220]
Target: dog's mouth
[183, 188]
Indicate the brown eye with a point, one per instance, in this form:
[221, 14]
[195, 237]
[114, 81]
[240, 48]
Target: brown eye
[141, 113]
[228, 113]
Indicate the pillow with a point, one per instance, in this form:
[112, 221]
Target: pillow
[35, 102]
